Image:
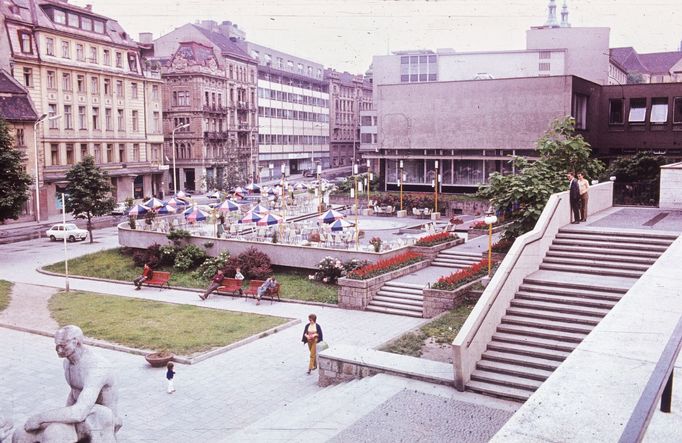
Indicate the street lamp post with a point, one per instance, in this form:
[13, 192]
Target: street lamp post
[271, 166]
[319, 185]
[369, 181]
[400, 180]
[357, 209]
[435, 189]
[490, 219]
[175, 174]
[35, 153]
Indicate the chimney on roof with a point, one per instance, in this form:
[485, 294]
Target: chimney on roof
[88, 7]
[146, 37]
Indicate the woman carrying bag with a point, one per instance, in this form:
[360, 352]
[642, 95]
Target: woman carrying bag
[312, 335]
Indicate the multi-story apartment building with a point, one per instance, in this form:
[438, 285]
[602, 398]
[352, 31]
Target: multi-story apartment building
[293, 112]
[84, 70]
[17, 110]
[210, 84]
[349, 95]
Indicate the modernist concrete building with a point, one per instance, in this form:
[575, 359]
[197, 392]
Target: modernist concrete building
[17, 109]
[349, 96]
[84, 68]
[293, 111]
[211, 85]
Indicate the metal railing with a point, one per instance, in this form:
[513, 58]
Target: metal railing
[660, 384]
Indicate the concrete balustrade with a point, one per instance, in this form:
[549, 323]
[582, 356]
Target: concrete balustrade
[524, 257]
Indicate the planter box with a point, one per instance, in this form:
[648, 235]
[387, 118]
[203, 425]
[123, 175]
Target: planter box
[431, 252]
[438, 300]
[356, 294]
[401, 214]
[473, 233]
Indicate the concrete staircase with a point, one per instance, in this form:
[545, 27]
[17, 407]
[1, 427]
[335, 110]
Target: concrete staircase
[450, 258]
[400, 298]
[584, 274]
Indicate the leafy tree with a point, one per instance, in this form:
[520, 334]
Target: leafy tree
[642, 166]
[88, 191]
[14, 181]
[526, 193]
[233, 175]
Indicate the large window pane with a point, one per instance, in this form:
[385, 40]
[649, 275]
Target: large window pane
[659, 110]
[637, 110]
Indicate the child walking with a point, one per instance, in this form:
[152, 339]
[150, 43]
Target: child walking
[170, 373]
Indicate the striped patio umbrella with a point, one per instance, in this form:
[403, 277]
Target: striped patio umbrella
[330, 216]
[268, 220]
[138, 210]
[228, 206]
[176, 203]
[240, 192]
[166, 209]
[195, 215]
[153, 203]
[253, 188]
[250, 217]
[300, 186]
[259, 209]
[340, 225]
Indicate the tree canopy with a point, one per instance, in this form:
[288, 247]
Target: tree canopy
[14, 182]
[88, 191]
[526, 193]
[642, 166]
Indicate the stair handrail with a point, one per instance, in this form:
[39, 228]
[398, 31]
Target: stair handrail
[554, 216]
[660, 385]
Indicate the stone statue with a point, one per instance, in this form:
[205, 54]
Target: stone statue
[90, 413]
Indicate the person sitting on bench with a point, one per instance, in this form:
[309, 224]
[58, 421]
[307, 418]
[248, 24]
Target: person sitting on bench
[216, 282]
[146, 275]
[262, 289]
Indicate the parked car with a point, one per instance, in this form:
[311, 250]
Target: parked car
[308, 173]
[66, 230]
[119, 209]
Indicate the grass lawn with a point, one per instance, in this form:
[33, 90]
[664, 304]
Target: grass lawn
[443, 330]
[114, 265]
[5, 289]
[144, 324]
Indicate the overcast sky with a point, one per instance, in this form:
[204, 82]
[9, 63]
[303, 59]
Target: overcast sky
[345, 34]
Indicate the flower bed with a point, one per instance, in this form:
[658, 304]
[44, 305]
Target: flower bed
[436, 239]
[462, 276]
[384, 266]
[503, 245]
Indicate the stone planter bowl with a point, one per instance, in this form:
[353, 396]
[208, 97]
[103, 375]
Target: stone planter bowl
[159, 359]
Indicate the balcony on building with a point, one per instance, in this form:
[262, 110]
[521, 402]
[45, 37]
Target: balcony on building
[216, 135]
[215, 108]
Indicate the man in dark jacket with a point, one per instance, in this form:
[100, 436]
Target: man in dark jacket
[216, 282]
[574, 197]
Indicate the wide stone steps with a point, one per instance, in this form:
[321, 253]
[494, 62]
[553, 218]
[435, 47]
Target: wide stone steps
[394, 310]
[499, 391]
[531, 351]
[540, 332]
[519, 371]
[475, 256]
[558, 307]
[529, 340]
[452, 261]
[400, 298]
[455, 260]
[547, 324]
[401, 290]
[602, 264]
[566, 300]
[617, 233]
[508, 380]
[591, 270]
[553, 316]
[601, 256]
[614, 239]
[392, 294]
[578, 249]
[608, 245]
[390, 302]
[565, 288]
[521, 360]
[404, 285]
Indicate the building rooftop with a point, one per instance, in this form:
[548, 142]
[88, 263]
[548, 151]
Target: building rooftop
[15, 105]
[226, 45]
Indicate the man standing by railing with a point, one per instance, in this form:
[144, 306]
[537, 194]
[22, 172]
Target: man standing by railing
[584, 186]
[574, 197]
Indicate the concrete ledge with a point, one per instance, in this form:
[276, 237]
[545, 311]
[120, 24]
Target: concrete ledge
[345, 362]
[437, 301]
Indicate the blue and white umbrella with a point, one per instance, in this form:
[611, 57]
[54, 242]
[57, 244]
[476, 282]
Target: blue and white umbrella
[253, 188]
[176, 203]
[330, 216]
[195, 215]
[153, 203]
[268, 220]
[260, 210]
[340, 225]
[138, 210]
[166, 209]
[250, 217]
[228, 206]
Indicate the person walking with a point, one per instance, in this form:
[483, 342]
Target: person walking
[584, 186]
[312, 335]
[216, 282]
[170, 373]
[574, 197]
[146, 275]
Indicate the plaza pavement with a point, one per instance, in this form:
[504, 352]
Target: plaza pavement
[214, 398]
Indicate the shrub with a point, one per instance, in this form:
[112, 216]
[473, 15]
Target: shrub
[329, 270]
[168, 254]
[149, 217]
[177, 235]
[503, 245]
[151, 255]
[435, 239]
[376, 242]
[353, 264]
[253, 264]
[189, 257]
[385, 265]
[211, 265]
[462, 276]
[131, 222]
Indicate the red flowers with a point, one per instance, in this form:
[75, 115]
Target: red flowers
[435, 239]
[462, 276]
[479, 225]
[385, 265]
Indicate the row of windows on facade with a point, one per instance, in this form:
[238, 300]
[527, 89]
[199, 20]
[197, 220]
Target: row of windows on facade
[112, 153]
[183, 151]
[109, 86]
[93, 54]
[211, 124]
[95, 119]
[418, 68]
[658, 110]
[267, 59]
[290, 97]
[290, 114]
[460, 172]
[292, 139]
[345, 134]
[183, 98]
[295, 82]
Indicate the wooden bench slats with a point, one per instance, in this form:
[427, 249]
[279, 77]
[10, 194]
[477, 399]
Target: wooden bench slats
[159, 278]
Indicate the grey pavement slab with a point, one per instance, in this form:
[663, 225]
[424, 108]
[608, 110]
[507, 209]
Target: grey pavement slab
[638, 218]
[28, 308]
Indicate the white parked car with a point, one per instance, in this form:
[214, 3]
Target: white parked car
[69, 231]
[119, 209]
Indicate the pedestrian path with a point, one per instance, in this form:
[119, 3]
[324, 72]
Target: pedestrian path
[28, 308]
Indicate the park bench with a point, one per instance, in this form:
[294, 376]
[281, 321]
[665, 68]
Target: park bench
[159, 278]
[230, 286]
[252, 290]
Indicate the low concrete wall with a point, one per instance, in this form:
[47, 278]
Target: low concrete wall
[356, 294]
[671, 183]
[524, 257]
[437, 300]
[430, 252]
[280, 254]
[592, 395]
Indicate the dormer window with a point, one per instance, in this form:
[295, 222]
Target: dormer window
[86, 23]
[26, 42]
[132, 62]
[99, 26]
[72, 19]
[59, 17]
